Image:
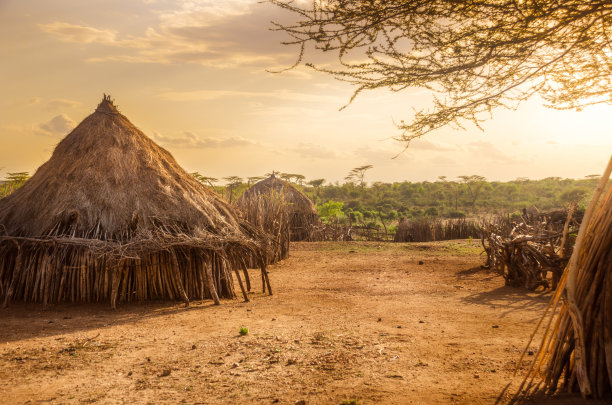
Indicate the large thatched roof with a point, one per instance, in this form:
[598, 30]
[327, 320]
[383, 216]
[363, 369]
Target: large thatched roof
[113, 215]
[108, 180]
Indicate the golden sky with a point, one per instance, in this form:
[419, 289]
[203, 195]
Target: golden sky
[192, 75]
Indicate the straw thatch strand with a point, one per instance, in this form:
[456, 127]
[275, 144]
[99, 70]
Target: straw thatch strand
[112, 217]
[576, 350]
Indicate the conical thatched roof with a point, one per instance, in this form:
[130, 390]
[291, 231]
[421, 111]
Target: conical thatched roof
[108, 180]
[299, 210]
[282, 211]
[297, 201]
[111, 194]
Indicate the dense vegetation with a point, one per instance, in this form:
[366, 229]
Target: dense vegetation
[383, 203]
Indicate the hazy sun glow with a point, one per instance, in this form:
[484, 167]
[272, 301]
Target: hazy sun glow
[192, 75]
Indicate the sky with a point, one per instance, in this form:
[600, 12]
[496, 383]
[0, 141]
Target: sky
[197, 77]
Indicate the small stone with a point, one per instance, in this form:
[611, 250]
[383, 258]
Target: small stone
[149, 359]
[300, 402]
[193, 347]
[275, 401]
[399, 326]
[129, 374]
[529, 352]
[379, 319]
[235, 365]
[476, 376]
[421, 321]
[495, 326]
[273, 319]
[165, 373]
[67, 317]
[420, 262]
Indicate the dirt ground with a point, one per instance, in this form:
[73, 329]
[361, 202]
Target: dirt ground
[348, 323]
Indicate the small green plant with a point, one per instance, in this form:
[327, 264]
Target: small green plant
[243, 331]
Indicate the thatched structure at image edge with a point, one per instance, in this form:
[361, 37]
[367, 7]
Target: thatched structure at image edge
[575, 353]
[112, 216]
[282, 211]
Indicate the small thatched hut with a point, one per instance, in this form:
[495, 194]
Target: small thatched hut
[281, 210]
[112, 216]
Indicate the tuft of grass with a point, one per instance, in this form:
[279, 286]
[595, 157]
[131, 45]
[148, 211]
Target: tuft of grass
[243, 331]
[349, 402]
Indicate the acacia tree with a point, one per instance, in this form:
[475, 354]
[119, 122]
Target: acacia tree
[357, 175]
[209, 181]
[316, 185]
[473, 56]
[475, 185]
[233, 182]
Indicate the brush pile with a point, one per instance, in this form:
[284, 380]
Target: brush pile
[531, 251]
[112, 217]
[429, 230]
[575, 354]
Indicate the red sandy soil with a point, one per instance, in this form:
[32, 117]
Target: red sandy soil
[348, 323]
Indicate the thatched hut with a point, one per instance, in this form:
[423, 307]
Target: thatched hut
[112, 216]
[281, 210]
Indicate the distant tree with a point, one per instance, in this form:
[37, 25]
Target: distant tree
[254, 179]
[330, 211]
[357, 175]
[17, 178]
[299, 179]
[573, 195]
[13, 181]
[316, 185]
[232, 183]
[209, 181]
[474, 56]
[475, 185]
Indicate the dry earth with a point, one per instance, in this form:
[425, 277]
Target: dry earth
[348, 323]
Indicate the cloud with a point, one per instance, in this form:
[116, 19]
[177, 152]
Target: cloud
[61, 104]
[190, 140]
[58, 125]
[422, 144]
[67, 32]
[284, 95]
[312, 151]
[488, 151]
[210, 33]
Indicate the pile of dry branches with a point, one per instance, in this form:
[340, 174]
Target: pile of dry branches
[531, 252]
[429, 230]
